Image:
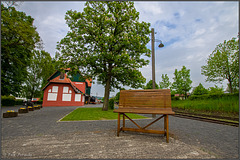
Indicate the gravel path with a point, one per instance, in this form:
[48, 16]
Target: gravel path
[38, 135]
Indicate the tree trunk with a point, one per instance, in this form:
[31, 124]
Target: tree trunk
[106, 94]
[230, 86]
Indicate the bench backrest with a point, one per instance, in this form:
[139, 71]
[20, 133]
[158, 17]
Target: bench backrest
[150, 98]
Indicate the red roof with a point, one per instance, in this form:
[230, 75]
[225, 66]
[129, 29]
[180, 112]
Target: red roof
[65, 80]
[89, 82]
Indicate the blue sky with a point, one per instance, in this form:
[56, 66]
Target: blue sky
[189, 30]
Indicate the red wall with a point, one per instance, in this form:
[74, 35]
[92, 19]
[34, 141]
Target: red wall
[59, 101]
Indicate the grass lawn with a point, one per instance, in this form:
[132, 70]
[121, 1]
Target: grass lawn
[81, 114]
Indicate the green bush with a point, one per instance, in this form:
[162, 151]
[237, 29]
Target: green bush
[111, 104]
[175, 98]
[212, 96]
[8, 100]
[18, 102]
[39, 102]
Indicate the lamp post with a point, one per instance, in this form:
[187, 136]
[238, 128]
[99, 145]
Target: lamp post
[153, 60]
[153, 57]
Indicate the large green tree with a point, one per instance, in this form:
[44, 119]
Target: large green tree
[18, 38]
[182, 82]
[40, 68]
[106, 42]
[165, 83]
[223, 64]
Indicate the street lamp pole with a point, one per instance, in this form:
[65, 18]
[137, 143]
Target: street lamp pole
[153, 60]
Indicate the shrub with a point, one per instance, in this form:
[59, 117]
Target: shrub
[18, 102]
[111, 104]
[212, 96]
[8, 100]
[175, 98]
[39, 102]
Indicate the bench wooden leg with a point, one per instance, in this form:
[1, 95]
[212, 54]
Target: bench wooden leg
[166, 128]
[118, 129]
[123, 121]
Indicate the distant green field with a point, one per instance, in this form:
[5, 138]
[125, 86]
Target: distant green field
[224, 105]
[82, 114]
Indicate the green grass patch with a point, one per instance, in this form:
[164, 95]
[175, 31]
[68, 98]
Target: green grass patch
[81, 114]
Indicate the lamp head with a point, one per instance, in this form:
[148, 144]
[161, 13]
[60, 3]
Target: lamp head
[161, 45]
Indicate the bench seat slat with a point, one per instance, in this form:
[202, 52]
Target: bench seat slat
[145, 110]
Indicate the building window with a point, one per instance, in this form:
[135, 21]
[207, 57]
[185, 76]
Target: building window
[52, 94]
[67, 94]
[65, 89]
[55, 89]
[78, 97]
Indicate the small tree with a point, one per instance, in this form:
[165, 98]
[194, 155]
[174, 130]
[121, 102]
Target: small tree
[165, 84]
[182, 82]
[223, 63]
[149, 85]
[200, 90]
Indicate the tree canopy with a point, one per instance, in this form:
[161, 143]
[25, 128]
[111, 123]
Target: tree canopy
[223, 64]
[18, 38]
[182, 82]
[106, 42]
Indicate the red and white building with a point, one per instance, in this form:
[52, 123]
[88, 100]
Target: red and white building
[61, 91]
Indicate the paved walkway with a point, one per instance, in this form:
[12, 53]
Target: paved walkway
[38, 135]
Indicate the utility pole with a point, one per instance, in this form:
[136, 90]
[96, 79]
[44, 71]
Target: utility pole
[153, 60]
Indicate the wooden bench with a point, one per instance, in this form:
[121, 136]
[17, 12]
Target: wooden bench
[150, 101]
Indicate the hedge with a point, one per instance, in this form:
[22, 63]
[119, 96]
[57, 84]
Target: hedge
[111, 104]
[8, 100]
[212, 96]
[39, 102]
[18, 102]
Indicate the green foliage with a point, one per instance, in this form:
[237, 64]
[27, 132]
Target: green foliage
[40, 68]
[117, 97]
[18, 102]
[106, 42]
[18, 38]
[39, 102]
[111, 104]
[175, 98]
[223, 63]
[223, 103]
[165, 84]
[182, 82]
[200, 90]
[212, 96]
[8, 100]
[215, 90]
[149, 85]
